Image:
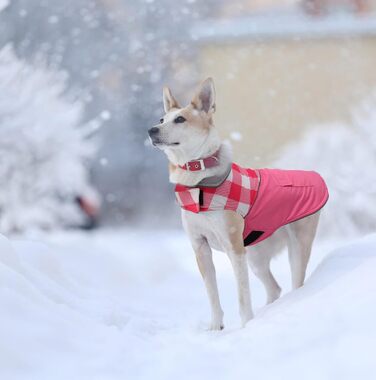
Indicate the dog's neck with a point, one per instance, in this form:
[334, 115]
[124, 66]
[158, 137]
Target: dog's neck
[211, 175]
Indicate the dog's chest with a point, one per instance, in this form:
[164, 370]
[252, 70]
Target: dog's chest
[211, 225]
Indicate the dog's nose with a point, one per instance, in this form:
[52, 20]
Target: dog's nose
[153, 131]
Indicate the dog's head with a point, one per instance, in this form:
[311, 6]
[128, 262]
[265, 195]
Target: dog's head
[185, 128]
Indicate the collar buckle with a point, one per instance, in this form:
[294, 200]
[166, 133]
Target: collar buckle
[202, 164]
[197, 165]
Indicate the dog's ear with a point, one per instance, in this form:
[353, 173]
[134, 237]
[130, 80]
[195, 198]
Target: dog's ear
[204, 100]
[169, 101]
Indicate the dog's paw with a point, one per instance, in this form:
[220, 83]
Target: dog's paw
[216, 326]
[273, 295]
[246, 318]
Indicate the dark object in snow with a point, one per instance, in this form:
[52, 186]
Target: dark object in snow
[91, 211]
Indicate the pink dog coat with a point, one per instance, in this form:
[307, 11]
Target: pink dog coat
[267, 199]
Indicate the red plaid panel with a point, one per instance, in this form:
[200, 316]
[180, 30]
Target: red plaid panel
[188, 198]
[238, 193]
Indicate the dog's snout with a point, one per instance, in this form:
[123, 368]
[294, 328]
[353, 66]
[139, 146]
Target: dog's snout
[153, 131]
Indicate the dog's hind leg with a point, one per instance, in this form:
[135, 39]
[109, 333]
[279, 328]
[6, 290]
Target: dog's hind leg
[259, 258]
[259, 262]
[300, 238]
[206, 266]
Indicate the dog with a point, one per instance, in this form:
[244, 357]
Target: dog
[249, 214]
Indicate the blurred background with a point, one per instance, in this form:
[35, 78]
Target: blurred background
[81, 82]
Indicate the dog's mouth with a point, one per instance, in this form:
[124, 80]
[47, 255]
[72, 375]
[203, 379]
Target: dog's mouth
[157, 142]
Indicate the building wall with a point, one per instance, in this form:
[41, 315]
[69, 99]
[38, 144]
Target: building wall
[272, 91]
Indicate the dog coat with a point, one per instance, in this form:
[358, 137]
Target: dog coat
[267, 199]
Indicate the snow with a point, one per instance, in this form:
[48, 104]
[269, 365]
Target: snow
[125, 304]
[284, 23]
[4, 4]
[236, 136]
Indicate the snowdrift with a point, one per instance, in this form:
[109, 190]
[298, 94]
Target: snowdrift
[113, 306]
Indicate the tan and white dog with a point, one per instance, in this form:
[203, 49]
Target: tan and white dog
[188, 133]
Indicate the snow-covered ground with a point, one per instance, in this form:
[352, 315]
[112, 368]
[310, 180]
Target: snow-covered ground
[130, 304]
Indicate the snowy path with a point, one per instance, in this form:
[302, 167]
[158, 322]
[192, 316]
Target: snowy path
[131, 305]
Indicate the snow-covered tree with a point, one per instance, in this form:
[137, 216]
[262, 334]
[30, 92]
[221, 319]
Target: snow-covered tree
[43, 147]
[345, 155]
[122, 52]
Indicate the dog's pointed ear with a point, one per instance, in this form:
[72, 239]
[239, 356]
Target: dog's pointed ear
[204, 100]
[169, 101]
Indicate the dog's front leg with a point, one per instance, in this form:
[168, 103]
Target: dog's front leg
[205, 263]
[232, 235]
[239, 264]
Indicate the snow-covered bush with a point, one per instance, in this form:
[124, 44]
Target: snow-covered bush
[345, 155]
[43, 147]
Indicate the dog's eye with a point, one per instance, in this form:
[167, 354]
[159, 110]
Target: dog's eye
[179, 119]
[161, 120]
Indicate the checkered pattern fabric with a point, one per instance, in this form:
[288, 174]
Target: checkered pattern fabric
[237, 192]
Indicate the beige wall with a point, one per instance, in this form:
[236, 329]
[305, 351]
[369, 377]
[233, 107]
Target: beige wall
[236, 8]
[271, 92]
